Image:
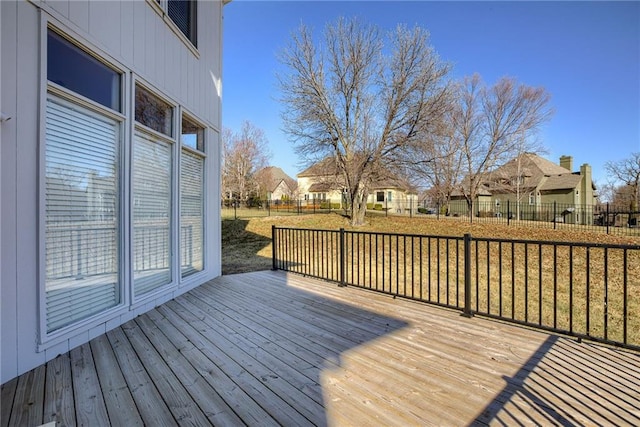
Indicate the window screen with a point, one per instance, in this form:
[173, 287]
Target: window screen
[81, 218]
[183, 14]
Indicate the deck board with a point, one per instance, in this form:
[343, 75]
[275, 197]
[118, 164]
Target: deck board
[59, 384]
[270, 348]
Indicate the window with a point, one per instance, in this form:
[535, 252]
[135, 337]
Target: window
[153, 112]
[151, 216]
[192, 135]
[380, 196]
[183, 14]
[81, 186]
[389, 198]
[69, 66]
[81, 213]
[191, 198]
[532, 198]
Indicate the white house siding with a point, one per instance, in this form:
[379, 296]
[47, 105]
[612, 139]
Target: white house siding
[135, 36]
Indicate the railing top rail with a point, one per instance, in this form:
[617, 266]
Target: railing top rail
[477, 239]
[375, 233]
[380, 233]
[306, 229]
[557, 243]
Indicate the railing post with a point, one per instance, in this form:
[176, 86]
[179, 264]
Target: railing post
[508, 212]
[274, 263]
[606, 220]
[342, 258]
[467, 276]
[268, 207]
[554, 214]
[410, 208]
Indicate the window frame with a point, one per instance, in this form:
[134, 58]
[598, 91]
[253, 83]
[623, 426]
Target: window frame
[156, 137]
[161, 8]
[49, 89]
[184, 113]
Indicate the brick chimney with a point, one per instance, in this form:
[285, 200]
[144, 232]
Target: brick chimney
[567, 162]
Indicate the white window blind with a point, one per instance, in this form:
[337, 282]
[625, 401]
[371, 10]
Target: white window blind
[191, 212]
[151, 213]
[81, 220]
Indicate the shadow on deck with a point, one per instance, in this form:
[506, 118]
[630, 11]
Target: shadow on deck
[270, 348]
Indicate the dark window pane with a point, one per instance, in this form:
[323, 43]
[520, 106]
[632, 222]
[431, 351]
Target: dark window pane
[192, 135]
[74, 69]
[153, 112]
[183, 14]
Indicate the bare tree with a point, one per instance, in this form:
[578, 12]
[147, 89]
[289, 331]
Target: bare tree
[347, 99]
[244, 153]
[494, 125]
[627, 171]
[436, 161]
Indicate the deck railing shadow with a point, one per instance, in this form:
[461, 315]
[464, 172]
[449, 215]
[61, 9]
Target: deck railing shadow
[590, 385]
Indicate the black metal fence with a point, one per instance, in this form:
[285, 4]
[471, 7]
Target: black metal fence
[602, 218]
[585, 290]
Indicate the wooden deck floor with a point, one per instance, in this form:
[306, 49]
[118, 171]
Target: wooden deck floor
[269, 348]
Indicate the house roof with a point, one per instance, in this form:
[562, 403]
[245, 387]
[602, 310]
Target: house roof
[272, 176]
[325, 167]
[561, 182]
[328, 176]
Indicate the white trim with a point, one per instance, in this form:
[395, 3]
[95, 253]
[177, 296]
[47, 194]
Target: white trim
[81, 41]
[50, 89]
[161, 10]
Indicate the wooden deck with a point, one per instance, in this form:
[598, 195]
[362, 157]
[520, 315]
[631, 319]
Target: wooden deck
[269, 348]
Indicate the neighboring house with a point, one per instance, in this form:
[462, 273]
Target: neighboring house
[109, 165]
[321, 183]
[537, 184]
[275, 185]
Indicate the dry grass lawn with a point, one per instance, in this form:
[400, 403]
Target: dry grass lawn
[522, 285]
[246, 243]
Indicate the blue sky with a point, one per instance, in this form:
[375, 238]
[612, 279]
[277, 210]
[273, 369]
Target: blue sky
[586, 54]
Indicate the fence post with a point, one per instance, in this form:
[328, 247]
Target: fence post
[341, 258]
[410, 208]
[386, 207]
[508, 212]
[268, 207]
[607, 218]
[555, 213]
[467, 276]
[274, 264]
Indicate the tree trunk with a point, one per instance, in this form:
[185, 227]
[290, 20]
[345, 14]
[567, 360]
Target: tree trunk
[358, 208]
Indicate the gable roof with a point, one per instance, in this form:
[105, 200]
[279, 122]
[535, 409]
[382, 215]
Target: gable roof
[537, 172]
[325, 167]
[328, 176]
[272, 176]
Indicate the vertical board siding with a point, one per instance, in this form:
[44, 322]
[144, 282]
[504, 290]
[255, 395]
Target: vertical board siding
[79, 14]
[135, 36]
[8, 262]
[27, 135]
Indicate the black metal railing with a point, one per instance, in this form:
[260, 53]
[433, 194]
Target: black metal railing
[601, 218]
[587, 290]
